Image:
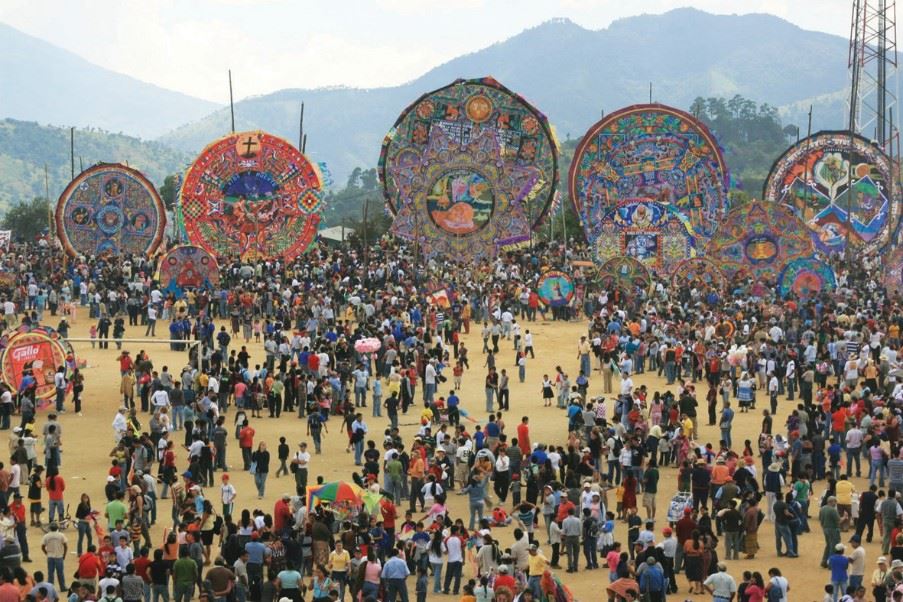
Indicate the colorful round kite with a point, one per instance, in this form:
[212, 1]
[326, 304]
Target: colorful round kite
[555, 289]
[187, 267]
[813, 177]
[469, 169]
[651, 152]
[893, 270]
[626, 274]
[110, 209]
[759, 238]
[699, 272]
[252, 196]
[806, 278]
[651, 232]
[41, 350]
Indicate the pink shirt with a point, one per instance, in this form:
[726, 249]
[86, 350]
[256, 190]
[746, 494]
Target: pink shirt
[613, 558]
[372, 571]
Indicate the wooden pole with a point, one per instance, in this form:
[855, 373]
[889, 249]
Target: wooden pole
[50, 228]
[301, 130]
[304, 144]
[364, 234]
[72, 151]
[231, 103]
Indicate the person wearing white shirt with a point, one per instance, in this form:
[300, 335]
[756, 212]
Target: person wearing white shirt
[160, 398]
[626, 384]
[429, 382]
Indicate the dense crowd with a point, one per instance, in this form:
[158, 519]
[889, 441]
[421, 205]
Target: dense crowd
[823, 373]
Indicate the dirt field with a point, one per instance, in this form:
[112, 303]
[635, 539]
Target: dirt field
[88, 439]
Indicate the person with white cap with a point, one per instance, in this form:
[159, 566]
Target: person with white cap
[839, 564]
[879, 576]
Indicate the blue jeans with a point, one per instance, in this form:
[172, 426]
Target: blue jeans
[358, 451]
[178, 420]
[55, 565]
[260, 481]
[60, 397]
[84, 530]
[533, 584]
[396, 588]
[377, 406]
[840, 588]
[782, 532]
[360, 396]
[726, 435]
[160, 592]
[476, 510]
[59, 506]
[877, 469]
[853, 454]
[437, 577]
[490, 395]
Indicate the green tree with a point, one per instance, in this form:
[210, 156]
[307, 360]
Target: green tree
[28, 219]
[169, 192]
[369, 179]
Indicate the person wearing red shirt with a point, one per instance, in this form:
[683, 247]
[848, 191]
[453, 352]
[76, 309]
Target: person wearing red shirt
[142, 569]
[504, 579]
[90, 566]
[246, 443]
[282, 514]
[17, 510]
[523, 436]
[8, 591]
[389, 513]
[684, 530]
[125, 363]
[55, 486]
[564, 507]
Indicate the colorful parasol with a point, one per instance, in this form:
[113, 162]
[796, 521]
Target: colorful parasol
[340, 492]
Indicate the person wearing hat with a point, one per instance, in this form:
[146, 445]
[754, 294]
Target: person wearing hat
[55, 546]
[839, 565]
[879, 576]
[538, 564]
[504, 578]
[773, 484]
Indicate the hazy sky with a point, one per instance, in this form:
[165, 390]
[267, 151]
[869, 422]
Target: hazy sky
[188, 45]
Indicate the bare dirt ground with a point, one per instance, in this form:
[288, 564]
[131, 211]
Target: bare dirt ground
[88, 439]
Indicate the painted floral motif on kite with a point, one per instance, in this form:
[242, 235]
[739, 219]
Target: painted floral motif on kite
[468, 169]
[651, 152]
[698, 272]
[252, 195]
[654, 233]
[813, 177]
[187, 267]
[806, 278]
[624, 273]
[893, 270]
[759, 238]
[110, 210]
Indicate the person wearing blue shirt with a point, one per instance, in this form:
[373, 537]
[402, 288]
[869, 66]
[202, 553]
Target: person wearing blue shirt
[452, 403]
[838, 563]
[396, 572]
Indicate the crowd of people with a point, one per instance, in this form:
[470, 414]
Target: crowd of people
[823, 374]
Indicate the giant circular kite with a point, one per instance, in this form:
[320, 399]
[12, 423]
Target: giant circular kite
[469, 169]
[39, 349]
[759, 239]
[187, 267]
[555, 288]
[110, 209]
[806, 278]
[813, 177]
[654, 233]
[626, 274]
[699, 272]
[893, 270]
[651, 152]
[252, 196]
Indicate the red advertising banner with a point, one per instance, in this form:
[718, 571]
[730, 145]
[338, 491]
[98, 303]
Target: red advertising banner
[35, 351]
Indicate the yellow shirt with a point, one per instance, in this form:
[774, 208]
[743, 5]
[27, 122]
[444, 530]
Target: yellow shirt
[538, 564]
[339, 562]
[844, 492]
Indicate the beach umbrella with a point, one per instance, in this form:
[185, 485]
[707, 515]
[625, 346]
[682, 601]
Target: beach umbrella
[337, 491]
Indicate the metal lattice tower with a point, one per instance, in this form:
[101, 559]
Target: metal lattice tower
[873, 72]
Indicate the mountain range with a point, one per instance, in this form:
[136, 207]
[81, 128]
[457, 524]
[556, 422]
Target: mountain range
[570, 73]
